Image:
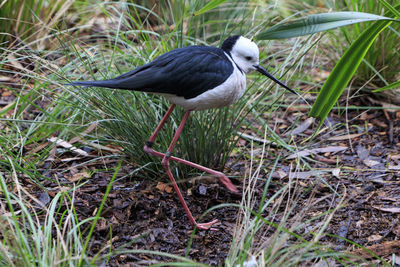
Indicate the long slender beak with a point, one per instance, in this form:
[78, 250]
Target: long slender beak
[269, 75]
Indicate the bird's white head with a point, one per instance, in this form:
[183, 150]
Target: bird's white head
[244, 52]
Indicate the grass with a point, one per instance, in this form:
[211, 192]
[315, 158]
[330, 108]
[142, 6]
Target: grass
[274, 230]
[33, 234]
[31, 22]
[51, 235]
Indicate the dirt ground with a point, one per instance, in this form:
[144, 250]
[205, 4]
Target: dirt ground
[361, 161]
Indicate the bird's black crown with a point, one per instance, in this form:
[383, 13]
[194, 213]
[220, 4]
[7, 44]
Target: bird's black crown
[228, 44]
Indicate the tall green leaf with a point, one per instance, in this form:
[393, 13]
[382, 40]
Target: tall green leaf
[316, 23]
[345, 69]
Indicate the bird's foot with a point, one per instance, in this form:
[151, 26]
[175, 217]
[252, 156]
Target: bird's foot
[222, 177]
[227, 183]
[207, 226]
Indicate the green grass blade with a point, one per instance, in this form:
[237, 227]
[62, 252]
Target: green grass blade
[344, 70]
[316, 23]
[390, 8]
[388, 87]
[99, 212]
[210, 5]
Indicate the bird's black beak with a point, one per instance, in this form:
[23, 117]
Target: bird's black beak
[269, 75]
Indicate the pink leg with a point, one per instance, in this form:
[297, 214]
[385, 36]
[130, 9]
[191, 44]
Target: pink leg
[165, 163]
[167, 157]
[147, 148]
[150, 142]
[222, 177]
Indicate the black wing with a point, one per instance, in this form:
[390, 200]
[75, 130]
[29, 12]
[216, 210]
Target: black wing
[187, 72]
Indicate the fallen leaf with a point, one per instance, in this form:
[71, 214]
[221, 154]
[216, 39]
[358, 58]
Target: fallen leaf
[394, 167]
[6, 93]
[370, 162]
[77, 176]
[168, 189]
[303, 175]
[302, 127]
[336, 172]
[67, 145]
[161, 186]
[307, 152]
[5, 78]
[379, 123]
[345, 137]
[385, 249]
[106, 148]
[391, 210]
[252, 138]
[326, 160]
[395, 157]
[70, 159]
[164, 187]
[279, 174]
[373, 238]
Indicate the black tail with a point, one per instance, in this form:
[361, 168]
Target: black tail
[104, 83]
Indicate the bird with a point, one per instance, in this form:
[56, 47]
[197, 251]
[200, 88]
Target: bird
[195, 78]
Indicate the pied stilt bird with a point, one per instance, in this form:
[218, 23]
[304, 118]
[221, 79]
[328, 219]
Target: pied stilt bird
[196, 78]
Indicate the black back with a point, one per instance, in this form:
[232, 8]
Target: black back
[186, 72]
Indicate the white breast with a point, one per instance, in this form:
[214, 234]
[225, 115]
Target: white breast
[225, 94]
